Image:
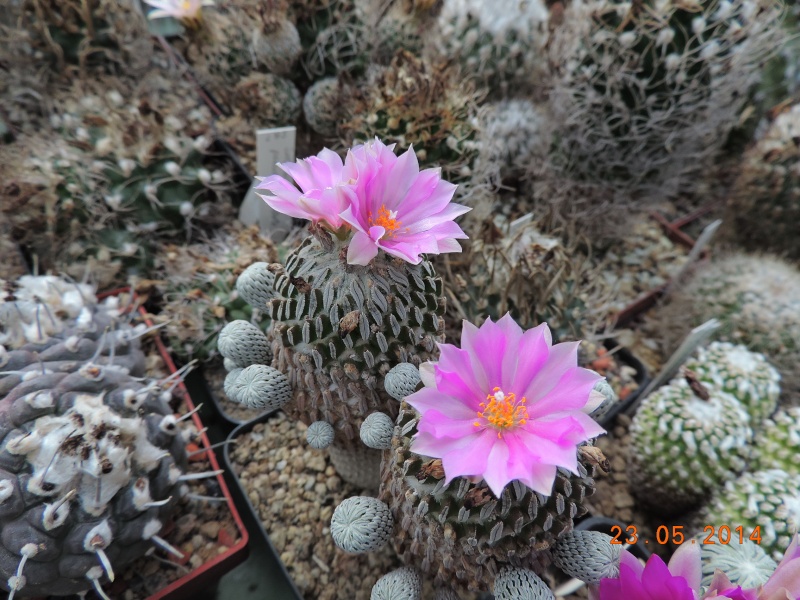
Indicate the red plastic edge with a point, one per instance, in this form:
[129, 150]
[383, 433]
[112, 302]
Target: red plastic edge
[198, 579]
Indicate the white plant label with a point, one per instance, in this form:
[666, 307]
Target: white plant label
[272, 146]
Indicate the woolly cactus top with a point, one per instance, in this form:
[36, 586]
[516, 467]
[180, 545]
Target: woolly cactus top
[487, 405]
[387, 201]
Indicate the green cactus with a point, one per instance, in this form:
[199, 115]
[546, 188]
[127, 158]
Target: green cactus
[766, 504]
[757, 302]
[777, 445]
[764, 205]
[742, 560]
[686, 441]
[745, 375]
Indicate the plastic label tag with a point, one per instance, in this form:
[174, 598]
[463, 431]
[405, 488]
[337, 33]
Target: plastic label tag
[272, 146]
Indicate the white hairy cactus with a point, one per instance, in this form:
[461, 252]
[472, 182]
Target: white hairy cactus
[400, 584]
[402, 380]
[520, 584]
[377, 430]
[361, 524]
[260, 386]
[320, 435]
[746, 564]
[587, 555]
[244, 343]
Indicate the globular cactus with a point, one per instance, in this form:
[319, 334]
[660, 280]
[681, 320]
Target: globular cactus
[745, 375]
[764, 504]
[412, 102]
[644, 95]
[323, 105]
[686, 441]
[361, 524]
[757, 302]
[93, 459]
[777, 444]
[587, 555]
[400, 584]
[500, 45]
[460, 534]
[764, 205]
[743, 561]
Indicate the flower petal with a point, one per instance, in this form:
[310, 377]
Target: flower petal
[362, 249]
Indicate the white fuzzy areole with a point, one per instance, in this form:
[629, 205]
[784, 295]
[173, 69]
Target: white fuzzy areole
[151, 528]
[53, 517]
[98, 536]
[6, 490]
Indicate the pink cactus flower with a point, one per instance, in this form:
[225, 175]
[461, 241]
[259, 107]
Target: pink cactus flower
[183, 10]
[325, 189]
[506, 405]
[655, 580]
[398, 208]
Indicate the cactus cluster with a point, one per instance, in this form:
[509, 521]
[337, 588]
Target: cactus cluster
[764, 206]
[757, 302]
[93, 459]
[644, 94]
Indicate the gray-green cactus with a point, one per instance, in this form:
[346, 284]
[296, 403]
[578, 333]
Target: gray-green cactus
[686, 441]
[520, 584]
[244, 344]
[377, 430]
[361, 524]
[587, 555]
[745, 375]
[402, 380]
[400, 584]
[777, 444]
[319, 435]
[260, 387]
[322, 106]
[92, 457]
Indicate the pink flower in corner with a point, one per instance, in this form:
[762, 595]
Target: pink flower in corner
[325, 184]
[507, 405]
[655, 580]
[398, 208]
[183, 10]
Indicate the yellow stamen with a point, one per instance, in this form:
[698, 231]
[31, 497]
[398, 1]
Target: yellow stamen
[502, 411]
[386, 219]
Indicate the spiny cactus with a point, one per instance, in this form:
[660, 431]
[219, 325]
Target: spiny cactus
[777, 444]
[322, 106]
[460, 534]
[686, 441]
[412, 102]
[744, 562]
[764, 206]
[644, 94]
[92, 457]
[198, 286]
[500, 45]
[745, 375]
[757, 301]
[767, 500]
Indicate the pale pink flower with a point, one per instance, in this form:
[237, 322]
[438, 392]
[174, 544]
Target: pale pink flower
[398, 208]
[325, 188]
[183, 10]
[506, 405]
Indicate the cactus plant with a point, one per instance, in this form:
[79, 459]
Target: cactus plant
[764, 203]
[645, 94]
[93, 458]
[764, 503]
[745, 375]
[500, 45]
[686, 441]
[755, 298]
[322, 106]
[777, 444]
[744, 562]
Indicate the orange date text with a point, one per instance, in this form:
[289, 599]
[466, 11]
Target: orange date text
[712, 535]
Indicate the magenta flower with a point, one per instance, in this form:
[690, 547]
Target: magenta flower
[325, 188]
[507, 405]
[655, 581]
[398, 208]
[784, 584]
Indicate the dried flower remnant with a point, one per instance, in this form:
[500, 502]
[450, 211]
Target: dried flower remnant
[509, 405]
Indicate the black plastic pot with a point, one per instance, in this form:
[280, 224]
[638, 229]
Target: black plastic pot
[642, 379]
[281, 585]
